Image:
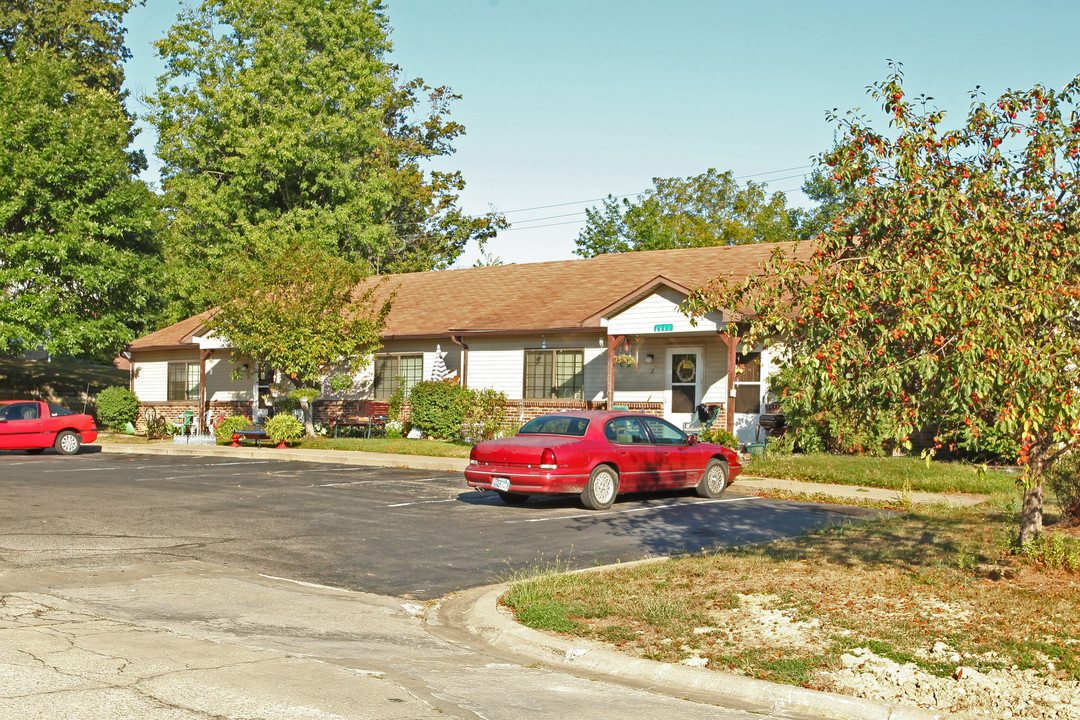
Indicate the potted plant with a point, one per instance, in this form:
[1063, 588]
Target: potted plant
[284, 428]
[626, 361]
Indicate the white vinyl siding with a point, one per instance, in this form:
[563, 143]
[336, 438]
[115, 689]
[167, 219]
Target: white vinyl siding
[660, 309]
[498, 362]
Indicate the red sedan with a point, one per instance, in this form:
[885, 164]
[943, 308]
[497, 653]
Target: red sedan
[599, 454]
[33, 426]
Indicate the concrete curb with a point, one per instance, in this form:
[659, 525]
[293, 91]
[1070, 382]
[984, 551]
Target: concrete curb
[339, 457]
[477, 612]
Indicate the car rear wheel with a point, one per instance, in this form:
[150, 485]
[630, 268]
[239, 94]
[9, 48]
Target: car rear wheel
[714, 480]
[512, 498]
[600, 491]
[68, 442]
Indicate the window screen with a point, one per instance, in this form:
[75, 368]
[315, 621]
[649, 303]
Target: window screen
[748, 383]
[393, 369]
[556, 374]
[183, 381]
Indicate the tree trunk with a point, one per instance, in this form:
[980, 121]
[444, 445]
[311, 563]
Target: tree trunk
[1031, 517]
[309, 423]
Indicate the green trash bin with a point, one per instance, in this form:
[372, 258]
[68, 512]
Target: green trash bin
[756, 449]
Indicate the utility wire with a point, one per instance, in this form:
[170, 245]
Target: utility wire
[642, 192]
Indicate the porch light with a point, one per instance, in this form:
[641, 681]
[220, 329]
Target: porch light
[543, 342]
[648, 359]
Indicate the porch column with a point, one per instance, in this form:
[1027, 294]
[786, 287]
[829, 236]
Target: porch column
[204, 355]
[613, 342]
[731, 342]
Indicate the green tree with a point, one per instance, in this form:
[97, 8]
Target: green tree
[79, 261]
[283, 118]
[946, 290]
[709, 209]
[825, 191]
[301, 310]
[89, 32]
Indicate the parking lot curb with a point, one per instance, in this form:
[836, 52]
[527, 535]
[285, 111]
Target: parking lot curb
[340, 457]
[478, 613]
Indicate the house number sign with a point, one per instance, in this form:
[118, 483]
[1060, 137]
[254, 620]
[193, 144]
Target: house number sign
[663, 328]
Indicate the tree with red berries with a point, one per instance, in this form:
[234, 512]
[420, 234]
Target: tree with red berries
[945, 292]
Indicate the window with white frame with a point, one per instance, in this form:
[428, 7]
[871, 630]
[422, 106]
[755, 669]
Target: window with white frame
[183, 381]
[748, 383]
[390, 370]
[554, 374]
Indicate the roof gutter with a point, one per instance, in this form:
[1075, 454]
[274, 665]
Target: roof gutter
[464, 360]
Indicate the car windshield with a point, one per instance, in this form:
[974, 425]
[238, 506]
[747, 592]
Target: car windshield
[556, 425]
[57, 411]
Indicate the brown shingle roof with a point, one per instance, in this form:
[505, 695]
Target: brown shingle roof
[548, 295]
[172, 337]
[529, 297]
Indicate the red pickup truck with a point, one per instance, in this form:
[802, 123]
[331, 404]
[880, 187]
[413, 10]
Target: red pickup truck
[33, 426]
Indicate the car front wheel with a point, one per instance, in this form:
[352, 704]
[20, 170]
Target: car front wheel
[68, 443]
[714, 480]
[600, 491]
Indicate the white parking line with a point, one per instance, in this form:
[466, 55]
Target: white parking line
[82, 469]
[377, 481]
[630, 510]
[244, 462]
[344, 484]
[422, 502]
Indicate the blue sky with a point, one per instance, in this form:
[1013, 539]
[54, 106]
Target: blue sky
[566, 101]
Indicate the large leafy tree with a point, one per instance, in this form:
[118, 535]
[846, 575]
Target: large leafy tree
[283, 117]
[945, 292]
[301, 310]
[708, 209]
[78, 256]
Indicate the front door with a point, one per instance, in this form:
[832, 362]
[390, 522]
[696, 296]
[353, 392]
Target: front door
[683, 384]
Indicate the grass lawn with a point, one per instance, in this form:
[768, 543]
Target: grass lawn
[904, 473]
[402, 446]
[929, 590]
[789, 611]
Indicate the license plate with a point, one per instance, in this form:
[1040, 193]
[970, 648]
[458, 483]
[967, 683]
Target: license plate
[500, 483]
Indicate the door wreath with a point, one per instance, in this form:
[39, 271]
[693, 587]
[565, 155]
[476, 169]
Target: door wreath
[685, 370]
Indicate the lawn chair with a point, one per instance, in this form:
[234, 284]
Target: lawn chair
[704, 417]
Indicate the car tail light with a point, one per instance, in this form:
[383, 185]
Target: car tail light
[472, 455]
[547, 459]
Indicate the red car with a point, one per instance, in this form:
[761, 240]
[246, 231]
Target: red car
[33, 426]
[599, 454]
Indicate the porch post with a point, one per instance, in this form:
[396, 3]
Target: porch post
[204, 355]
[613, 342]
[732, 342]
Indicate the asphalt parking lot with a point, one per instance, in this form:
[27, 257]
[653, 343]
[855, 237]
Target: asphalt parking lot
[411, 533]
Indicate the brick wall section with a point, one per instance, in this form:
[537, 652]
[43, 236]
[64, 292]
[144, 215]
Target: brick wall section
[519, 412]
[174, 411]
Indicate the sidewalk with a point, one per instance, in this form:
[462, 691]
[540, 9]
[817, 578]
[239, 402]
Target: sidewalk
[748, 483]
[190, 640]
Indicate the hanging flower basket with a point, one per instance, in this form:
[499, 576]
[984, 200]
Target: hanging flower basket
[626, 361]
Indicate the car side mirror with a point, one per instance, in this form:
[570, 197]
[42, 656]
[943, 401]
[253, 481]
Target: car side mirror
[691, 439]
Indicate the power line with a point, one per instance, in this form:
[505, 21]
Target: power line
[642, 192]
[581, 213]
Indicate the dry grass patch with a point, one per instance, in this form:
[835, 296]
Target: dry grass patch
[921, 594]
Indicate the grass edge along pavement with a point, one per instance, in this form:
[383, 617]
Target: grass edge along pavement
[929, 598]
